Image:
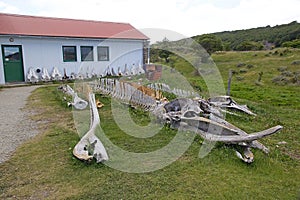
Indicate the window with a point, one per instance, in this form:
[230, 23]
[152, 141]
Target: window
[103, 53]
[11, 53]
[87, 53]
[69, 53]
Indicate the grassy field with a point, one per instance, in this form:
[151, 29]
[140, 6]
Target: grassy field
[44, 168]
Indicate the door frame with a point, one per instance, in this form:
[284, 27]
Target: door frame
[21, 60]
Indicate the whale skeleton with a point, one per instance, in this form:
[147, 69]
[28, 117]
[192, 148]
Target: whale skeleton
[203, 117]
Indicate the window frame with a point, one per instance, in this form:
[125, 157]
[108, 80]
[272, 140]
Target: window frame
[64, 54]
[107, 52]
[91, 53]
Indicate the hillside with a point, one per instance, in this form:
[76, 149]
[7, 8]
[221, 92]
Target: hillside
[267, 36]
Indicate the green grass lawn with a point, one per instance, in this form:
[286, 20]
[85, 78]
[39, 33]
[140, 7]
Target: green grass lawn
[44, 168]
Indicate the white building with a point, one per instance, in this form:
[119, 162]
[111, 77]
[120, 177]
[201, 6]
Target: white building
[72, 46]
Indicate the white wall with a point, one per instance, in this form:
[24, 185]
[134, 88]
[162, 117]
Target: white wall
[47, 53]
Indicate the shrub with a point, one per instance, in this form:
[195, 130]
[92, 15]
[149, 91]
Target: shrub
[249, 66]
[282, 68]
[242, 71]
[287, 73]
[296, 62]
[249, 46]
[281, 80]
[234, 72]
[241, 65]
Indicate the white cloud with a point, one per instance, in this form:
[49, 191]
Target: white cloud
[188, 17]
[7, 8]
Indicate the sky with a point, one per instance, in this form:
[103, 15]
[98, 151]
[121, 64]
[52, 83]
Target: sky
[177, 18]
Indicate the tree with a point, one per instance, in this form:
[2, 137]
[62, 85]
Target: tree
[163, 53]
[249, 46]
[293, 44]
[211, 43]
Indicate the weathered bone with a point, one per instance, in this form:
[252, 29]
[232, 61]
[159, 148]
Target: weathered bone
[31, 76]
[113, 73]
[56, 75]
[140, 70]
[126, 71]
[78, 102]
[228, 102]
[90, 146]
[45, 75]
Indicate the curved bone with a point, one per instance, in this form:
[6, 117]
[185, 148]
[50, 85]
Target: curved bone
[228, 102]
[90, 146]
[45, 75]
[31, 76]
[126, 71]
[56, 75]
[217, 132]
[140, 69]
[247, 156]
[78, 102]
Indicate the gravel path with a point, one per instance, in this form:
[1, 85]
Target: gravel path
[15, 125]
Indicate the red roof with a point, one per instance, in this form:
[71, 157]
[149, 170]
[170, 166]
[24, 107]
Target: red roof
[11, 24]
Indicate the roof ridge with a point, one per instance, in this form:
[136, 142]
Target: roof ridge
[64, 27]
[61, 18]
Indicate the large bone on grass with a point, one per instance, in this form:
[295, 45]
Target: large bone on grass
[228, 102]
[254, 143]
[214, 131]
[78, 102]
[90, 146]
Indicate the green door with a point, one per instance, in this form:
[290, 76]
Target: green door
[13, 63]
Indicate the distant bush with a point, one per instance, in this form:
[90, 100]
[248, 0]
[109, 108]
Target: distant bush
[281, 69]
[234, 72]
[296, 62]
[241, 65]
[281, 80]
[287, 77]
[293, 44]
[249, 66]
[287, 73]
[211, 43]
[243, 71]
[250, 46]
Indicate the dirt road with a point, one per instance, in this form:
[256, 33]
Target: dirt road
[15, 125]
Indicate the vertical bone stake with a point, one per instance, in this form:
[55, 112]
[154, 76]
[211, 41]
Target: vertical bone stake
[90, 146]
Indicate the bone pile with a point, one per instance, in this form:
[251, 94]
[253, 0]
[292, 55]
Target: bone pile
[204, 117]
[198, 115]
